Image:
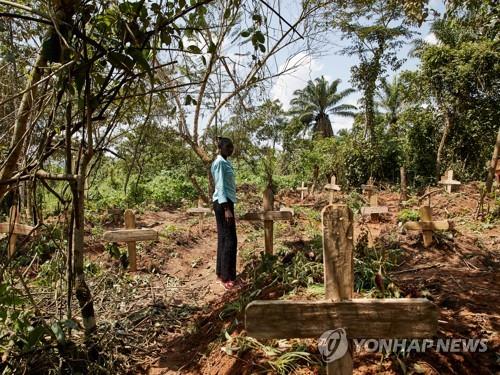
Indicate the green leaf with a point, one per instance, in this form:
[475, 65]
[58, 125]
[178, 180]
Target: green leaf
[34, 336]
[80, 77]
[166, 38]
[70, 323]
[245, 33]
[140, 60]
[58, 332]
[212, 48]
[51, 48]
[155, 8]
[120, 61]
[262, 48]
[194, 49]
[257, 18]
[260, 37]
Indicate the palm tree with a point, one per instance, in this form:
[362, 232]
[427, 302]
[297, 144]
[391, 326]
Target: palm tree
[313, 103]
[390, 99]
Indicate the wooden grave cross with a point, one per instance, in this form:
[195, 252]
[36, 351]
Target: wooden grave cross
[332, 187]
[369, 188]
[389, 318]
[13, 229]
[131, 235]
[302, 189]
[374, 208]
[268, 216]
[448, 181]
[201, 212]
[426, 225]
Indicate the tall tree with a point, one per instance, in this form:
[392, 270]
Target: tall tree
[319, 98]
[94, 61]
[375, 30]
[461, 73]
[223, 73]
[390, 100]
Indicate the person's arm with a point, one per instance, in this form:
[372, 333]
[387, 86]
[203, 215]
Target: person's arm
[219, 184]
[221, 193]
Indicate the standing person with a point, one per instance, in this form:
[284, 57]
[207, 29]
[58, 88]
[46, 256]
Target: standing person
[224, 199]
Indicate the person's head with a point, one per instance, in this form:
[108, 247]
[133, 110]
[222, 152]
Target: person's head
[225, 146]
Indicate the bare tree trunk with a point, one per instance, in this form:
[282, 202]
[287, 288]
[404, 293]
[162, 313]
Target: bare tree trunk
[324, 126]
[21, 123]
[63, 10]
[202, 194]
[404, 195]
[315, 178]
[82, 291]
[493, 164]
[448, 123]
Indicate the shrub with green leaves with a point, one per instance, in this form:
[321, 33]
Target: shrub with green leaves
[170, 188]
[406, 215]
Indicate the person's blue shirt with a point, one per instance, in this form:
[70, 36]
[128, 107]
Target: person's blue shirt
[225, 185]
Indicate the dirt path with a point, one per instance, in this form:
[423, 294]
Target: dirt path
[188, 256]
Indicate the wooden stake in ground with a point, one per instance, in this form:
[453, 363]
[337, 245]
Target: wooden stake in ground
[201, 212]
[426, 225]
[268, 216]
[302, 189]
[404, 193]
[448, 181]
[355, 318]
[131, 235]
[14, 229]
[332, 187]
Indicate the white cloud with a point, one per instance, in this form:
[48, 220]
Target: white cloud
[307, 69]
[339, 123]
[431, 38]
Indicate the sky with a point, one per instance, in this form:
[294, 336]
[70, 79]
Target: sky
[333, 65]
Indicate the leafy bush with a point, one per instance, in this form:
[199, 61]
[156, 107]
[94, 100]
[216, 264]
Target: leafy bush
[355, 201]
[170, 188]
[407, 214]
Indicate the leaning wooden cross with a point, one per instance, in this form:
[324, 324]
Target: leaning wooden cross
[360, 318]
[332, 187]
[268, 216]
[302, 189]
[131, 235]
[201, 212]
[426, 225]
[448, 181]
[13, 229]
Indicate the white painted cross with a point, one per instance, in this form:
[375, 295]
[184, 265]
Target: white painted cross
[268, 216]
[332, 187]
[389, 318]
[448, 181]
[302, 189]
[426, 225]
[201, 212]
[12, 229]
[131, 235]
